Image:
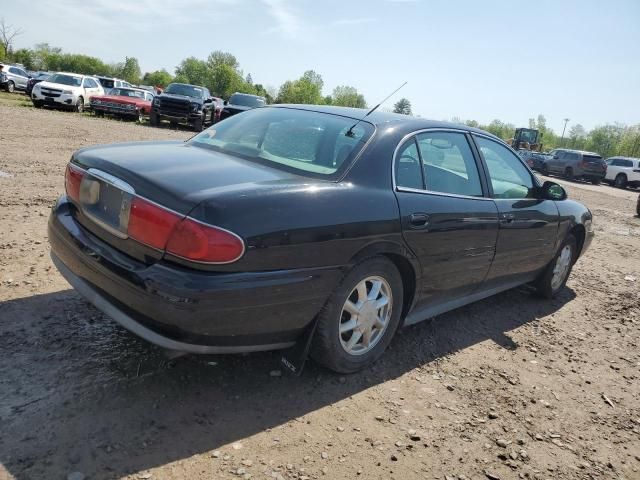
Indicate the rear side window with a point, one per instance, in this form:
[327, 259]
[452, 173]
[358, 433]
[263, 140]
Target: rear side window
[509, 177]
[408, 166]
[448, 164]
[593, 159]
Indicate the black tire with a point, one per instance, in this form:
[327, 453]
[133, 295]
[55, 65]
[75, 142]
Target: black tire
[37, 104]
[10, 86]
[620, 181]
[98, 113]
[154, 119]
[596, 181]
[140, 116]
[544, 285]
[198, 125]
[568, 173]
[326, 347]
[173, 124]
[79, 106]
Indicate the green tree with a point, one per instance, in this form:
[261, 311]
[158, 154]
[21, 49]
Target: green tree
[130, 70]
[24, 56]
[159, 78]
[306, 90]
[194, 71]
[346, 96]
[577, 135]
[402, 106]
[218, 57]
[605, 139]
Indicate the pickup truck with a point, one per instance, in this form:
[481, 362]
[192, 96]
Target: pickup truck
[183, 103]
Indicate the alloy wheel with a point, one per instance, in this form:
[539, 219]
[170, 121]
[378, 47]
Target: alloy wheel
[365, 315]
[561, 268]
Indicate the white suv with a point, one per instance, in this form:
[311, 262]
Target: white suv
[69, 90]
[623, 171]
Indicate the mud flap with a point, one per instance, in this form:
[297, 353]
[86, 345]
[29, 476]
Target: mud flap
[294, 358]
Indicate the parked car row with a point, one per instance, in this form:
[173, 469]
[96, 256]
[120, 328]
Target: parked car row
[620, 172]
[179, 103]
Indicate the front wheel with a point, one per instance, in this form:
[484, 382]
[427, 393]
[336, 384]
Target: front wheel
[10, 86]
[154, 119]
[568, 173]
[198, 125]
[554, 277]
[360, 318]
[37, 104]
[79, 107]
[596, 181]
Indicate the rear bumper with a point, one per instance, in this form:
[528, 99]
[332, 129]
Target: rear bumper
[183, 309]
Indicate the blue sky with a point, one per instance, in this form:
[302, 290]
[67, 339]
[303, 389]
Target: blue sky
[468, 59]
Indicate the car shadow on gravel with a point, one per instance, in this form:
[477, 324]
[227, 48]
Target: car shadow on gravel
[79, 393]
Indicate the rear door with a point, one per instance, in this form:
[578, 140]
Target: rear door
[528, 225]
[447, 220]
[20, 77]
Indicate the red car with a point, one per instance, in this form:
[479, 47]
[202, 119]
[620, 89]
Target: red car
[124, 102]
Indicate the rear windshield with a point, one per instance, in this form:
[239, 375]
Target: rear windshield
[593, 159]
[308, 143]
[126, 92]
[63, 79]
[247, 100]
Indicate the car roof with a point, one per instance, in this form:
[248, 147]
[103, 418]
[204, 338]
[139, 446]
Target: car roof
[70, 73]
[623, 158]
[583, 152]
[384, 119]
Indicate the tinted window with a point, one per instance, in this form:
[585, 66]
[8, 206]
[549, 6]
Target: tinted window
[302, 141]
[246, 100]
[90, 83]
[63, 79]
[509, 177]
[408, 167]
[448, 164]
[627, 163]
[187, 90]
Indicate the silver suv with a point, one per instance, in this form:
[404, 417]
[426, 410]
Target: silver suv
[13, 77]
[576, 164]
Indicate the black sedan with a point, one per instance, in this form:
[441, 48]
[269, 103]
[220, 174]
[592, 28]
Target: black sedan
[241, 102]
[287, 220]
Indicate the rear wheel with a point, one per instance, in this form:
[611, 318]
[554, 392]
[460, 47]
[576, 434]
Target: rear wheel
[10, 86]
[37, 104]
[554, 277]
[595, 181]
[621, 180]
[140, 116]
[360, 318]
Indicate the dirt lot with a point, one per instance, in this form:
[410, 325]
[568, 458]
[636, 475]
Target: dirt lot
[510, 387]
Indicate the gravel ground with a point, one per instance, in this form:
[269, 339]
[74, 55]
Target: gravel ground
[510, 387]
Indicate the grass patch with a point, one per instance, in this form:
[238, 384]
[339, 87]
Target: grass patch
[14, 99]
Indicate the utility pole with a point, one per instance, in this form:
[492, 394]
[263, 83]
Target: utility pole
[566, 120]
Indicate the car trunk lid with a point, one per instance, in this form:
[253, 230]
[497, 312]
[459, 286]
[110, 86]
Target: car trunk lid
[173, 175]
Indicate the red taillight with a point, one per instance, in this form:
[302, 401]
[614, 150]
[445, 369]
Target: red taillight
[151, 224]
[72, 179]
[203, 243]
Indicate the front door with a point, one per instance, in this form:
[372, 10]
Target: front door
[446, 220]
[528, 225]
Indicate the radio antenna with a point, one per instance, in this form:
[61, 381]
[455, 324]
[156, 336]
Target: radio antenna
[350, 131]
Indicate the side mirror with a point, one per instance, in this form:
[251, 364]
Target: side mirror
[226, 103]
[553, 191]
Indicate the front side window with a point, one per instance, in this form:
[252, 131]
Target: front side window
[305, 142]
[509, 177]
[448, 164]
